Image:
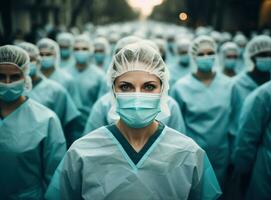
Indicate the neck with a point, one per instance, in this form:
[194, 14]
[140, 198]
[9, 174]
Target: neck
[205, 75]
[258, 76]
[229, 72]
[48, 72]
[137, 137]
[8, 107]
[81, 67]
[35, 80]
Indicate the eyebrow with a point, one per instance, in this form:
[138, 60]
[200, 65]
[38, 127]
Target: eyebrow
[151, 82]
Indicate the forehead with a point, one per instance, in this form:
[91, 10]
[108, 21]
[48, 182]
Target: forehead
[46, 50]
[137, 77]
[231, 52]
[9, 69]
[205, 46]
[81, 45]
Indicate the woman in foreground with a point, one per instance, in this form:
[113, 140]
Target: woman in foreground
[137, 157]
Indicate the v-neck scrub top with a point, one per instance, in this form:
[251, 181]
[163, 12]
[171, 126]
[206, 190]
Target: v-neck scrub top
[98, 167]
[32, 145]
[206, 111]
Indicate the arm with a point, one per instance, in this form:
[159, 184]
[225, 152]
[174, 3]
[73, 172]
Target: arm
[176, 118]
[66, 182]
[253, 119]
[97, 117]
[54, 148]
[205, 185]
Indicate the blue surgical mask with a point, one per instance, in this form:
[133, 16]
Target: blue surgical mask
[65, 53]
[242, 50]
[183, 59]
[11, 91]
[99, 57]
[47, 62]
[205, 63]
[82, 57]
[33, 69]
[230, 63]
[263, 64]
[138, 110]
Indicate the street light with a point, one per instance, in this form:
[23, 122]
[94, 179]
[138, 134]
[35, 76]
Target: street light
[183, 16]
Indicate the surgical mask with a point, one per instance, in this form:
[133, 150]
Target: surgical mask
[230, 63]
[183, 59]
[82, 57]
[242, 50]
[205, 63]
[99, 57]
[65, 53]
[263, 64]
[11, 91]
[33, 69]
[138, 110]
[47, 62]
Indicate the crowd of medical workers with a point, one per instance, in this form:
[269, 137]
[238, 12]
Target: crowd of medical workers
[67, 102]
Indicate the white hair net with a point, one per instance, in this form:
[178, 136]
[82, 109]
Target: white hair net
[226, 48]
[217, 36]
[52, 46]
[65, 39]
[182, 45]
[140, 57]
[161, 44]
[240, 39]
[84, 40]
[102, 43]
[226, 37]
[201, 43]
[125, 41]
[259, 44]
[10, 54]
[32, 51]
[151, 44]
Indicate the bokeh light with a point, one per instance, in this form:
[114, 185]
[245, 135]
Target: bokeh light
[183, 16]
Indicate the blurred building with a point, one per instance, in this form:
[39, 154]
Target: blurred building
[227, 15]
[29, 18]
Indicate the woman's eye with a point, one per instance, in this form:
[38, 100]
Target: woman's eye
[15, 77]
[149, 87]
[125, 87]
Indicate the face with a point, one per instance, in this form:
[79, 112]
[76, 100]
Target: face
[33, 59]
[80, 47]
[263, 54]
[9, 73]
[138, 81]
[46, 52]
[99, 50]
[232, 55]
[182, 52]
[64, 47]
[206, 52]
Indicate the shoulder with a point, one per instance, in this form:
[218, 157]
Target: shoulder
[262, 95]
[94, 139]
[54, 85]
[39, 111]
[180, 142]
[186, 80]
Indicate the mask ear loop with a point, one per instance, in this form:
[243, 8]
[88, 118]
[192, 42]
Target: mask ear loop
[114, 89]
